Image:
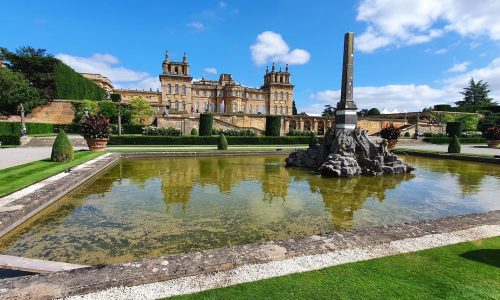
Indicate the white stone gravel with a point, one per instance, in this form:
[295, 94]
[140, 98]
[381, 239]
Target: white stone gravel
[248, 273]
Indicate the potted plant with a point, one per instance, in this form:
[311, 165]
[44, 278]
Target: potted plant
[95, 130]
[391, 133]
[492, 136]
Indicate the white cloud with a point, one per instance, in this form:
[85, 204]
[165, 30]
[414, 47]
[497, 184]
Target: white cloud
[109, 66]
[196, 26]
[270, 46]
[210, 70]
[410, 96]
[407, 22]
[441, 51]
[459, 67]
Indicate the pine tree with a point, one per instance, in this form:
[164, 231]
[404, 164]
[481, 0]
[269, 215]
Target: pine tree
[476, 94]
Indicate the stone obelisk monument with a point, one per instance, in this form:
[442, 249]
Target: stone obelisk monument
[345, 116]
[346, 150]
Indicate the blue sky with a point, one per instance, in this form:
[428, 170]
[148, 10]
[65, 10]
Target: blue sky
[409, 54]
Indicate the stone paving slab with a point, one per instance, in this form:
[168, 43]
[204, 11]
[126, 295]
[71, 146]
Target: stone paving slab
[22, 205]
[81, 281]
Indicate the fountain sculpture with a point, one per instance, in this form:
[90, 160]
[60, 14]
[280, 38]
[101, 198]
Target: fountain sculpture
[346, 150]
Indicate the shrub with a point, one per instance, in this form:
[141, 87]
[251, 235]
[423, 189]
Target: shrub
[10, 139]
[234, 132]
[454, 145]
[407, 134]
[194, 131]
[273, 125]
[454, 129]
[140, 110]
[374, 112]
[390, 132]
[62, 150]
[71, 85]
[95, 127]
[206, 124]
[313, 141]
[208, 140]
[295, 132]
[108, 109]
[116, 97]
[222, 144]
[442, 107]
[163, 131]
[446, 140]
[492, 133]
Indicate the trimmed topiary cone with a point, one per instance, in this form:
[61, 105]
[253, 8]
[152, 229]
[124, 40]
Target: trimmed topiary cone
[222, 145]
[194, 131]
[454, 146]
[62, 150]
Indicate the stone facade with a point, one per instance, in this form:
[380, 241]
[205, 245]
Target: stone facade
[180, 93]
[101, 81]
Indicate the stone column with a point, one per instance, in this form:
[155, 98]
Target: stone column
[345, 116]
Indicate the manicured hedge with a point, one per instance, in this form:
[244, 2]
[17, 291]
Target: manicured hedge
[10, 139]
[207, 140]
[71, 85]
[14, 128]
[454, 129]
[273, 125]
[206, 124]
[446, 140]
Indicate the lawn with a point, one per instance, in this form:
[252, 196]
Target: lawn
[461, 271]
[18, 177]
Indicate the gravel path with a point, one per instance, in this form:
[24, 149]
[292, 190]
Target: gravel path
[248, 273]
[20, 155]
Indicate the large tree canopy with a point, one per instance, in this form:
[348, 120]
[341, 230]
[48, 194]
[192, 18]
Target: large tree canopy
[475, 95]
[14, 90]
[329, 111]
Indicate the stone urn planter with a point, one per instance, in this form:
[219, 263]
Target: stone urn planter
[391, 144]
[96, 145]
[493, 143]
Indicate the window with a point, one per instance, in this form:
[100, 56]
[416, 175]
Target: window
[176, 105]
[183, 105]
[169, 104]
[275, 95]
[286, 110]
[212, 93]
[205, 93]
[176, 89]
[235, 107]
[169, 89]
[221, 93]
[251, 109]
[197, 106]
[281, 96]
[281, 110]
[286, 96]
[197, 92]
[244, 108]
[276, 109]
[212, 107]
[204, 106]
[183, 89]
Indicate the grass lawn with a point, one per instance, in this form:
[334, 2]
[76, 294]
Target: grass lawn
[461, 271]
[18, 177]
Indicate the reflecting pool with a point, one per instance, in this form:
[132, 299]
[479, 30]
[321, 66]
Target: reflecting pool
[152, 207]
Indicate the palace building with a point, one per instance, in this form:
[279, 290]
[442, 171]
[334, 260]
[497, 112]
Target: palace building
[180, 93]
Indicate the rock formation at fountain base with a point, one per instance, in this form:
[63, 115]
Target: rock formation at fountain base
[346, 153]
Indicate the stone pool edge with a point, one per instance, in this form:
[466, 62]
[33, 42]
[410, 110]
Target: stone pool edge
[98, 278]
[472, 158]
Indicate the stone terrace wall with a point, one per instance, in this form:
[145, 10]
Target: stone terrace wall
[55, 112]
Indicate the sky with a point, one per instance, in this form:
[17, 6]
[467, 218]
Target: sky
[408, 54]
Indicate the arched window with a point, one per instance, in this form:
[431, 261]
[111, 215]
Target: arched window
[183, 89]
[281, 96]
[176, 105]
[169, 104]
[275, 95]
[222, 106]
[176, 89]
[169, 89]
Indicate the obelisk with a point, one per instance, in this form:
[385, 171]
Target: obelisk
[345, 116]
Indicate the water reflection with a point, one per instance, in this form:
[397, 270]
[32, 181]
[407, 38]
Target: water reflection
[152, 207]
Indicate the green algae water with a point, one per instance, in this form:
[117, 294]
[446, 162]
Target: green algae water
[145, 208]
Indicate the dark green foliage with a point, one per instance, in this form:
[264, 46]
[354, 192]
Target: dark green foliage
[407, 134]
[62, 150]
[206, 124]
[96, 127]
[294, 108]
[374, 112]
[273, 125]
[68, 128]
[475, 95]
[454, 128]
[454, 145]
[14, 128]
[116, 97]
[36, 66]
[208, 140]
[446, 140]
[328, 111]
[71, 85]
[442, 107]
[10, 139]
[313, 141]
[222, 143]
[194, 132]
[14, 90]
[109, 110]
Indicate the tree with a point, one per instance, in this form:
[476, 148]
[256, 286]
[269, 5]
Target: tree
[36, 66]
[140, 110]
[329, 111]
[14, 90]
[363, 112]
[476, 94]
[222, 143]
[294, 108]
[62, 150]
[374, 112]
